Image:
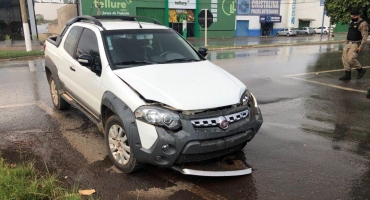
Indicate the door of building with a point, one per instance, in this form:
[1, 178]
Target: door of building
[303, 24]
[270, 28]
[242, 28]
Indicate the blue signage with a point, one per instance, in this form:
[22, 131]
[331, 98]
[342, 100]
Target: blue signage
[270, 18]
[322, 2]
[292, 18]
[258, 7]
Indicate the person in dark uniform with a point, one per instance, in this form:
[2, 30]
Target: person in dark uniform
[267, 30]
[356, 40]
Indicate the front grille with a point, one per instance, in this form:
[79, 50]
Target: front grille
[216, 121]
[185, 158]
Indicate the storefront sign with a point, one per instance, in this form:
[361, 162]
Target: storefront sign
[258, 7]
[269, 19]
[294, 5]
[322, 2]
[182, 4]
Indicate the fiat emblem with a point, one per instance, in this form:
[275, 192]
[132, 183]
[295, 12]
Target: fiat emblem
[224, 124]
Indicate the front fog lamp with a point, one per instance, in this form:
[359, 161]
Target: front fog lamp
[158, 116]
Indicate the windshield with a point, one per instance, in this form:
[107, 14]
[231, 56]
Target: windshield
[131, 48]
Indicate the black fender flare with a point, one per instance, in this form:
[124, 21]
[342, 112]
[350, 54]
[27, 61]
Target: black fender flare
[50, 65]
[127, 116]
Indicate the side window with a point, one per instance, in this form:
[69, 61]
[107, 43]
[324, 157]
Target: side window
[88, 44]
[71, 39]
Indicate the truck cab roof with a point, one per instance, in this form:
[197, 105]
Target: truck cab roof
[118, 22]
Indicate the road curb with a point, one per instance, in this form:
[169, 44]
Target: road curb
[210, 48]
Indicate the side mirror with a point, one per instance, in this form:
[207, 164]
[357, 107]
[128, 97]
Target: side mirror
[85, 60]
[203, 51]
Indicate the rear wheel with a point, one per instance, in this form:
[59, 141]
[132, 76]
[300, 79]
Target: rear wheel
[277, 34]
[118, 146]
[58, 102]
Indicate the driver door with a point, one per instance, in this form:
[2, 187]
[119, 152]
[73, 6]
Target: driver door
[87, 87]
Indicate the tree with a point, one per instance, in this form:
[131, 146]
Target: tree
[339, 10]
[40, 19]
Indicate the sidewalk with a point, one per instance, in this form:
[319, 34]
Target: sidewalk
[19, 45]
[234, 43]
[271, 41]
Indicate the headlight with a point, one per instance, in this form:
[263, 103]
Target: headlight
[248, 99]
[158, 116]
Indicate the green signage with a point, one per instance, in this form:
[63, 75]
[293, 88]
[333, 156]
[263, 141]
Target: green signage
[117, 7]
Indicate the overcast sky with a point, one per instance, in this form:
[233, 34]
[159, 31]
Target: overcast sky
[48, 10]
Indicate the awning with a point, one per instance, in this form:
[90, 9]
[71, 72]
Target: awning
[306, 19]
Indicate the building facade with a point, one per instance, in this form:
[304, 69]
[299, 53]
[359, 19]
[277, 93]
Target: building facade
[254, 15]
[171, 13]
[231, 18]
[10, 19]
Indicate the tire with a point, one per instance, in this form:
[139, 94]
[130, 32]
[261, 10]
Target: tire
[325, 32]
[118, 146]
[277, 34]
[58, 102]
[287, 34]
[306, 33]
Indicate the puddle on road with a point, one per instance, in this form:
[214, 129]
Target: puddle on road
[37, 65]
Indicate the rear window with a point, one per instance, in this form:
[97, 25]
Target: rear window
[71, 39]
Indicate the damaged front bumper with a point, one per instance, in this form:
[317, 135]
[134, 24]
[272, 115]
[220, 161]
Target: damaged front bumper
[194, 144]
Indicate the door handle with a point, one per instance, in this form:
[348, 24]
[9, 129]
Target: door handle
[71, 68]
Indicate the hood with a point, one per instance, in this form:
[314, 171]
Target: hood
[184, 86]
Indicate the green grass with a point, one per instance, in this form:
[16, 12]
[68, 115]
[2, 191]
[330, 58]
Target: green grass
[24, 182]
[19, 53]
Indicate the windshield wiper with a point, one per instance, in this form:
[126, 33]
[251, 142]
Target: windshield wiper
[181, 60]
[134, 62]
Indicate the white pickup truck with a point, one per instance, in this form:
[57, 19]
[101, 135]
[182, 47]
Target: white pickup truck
[156, 99]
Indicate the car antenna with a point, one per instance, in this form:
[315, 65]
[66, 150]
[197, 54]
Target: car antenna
[139, 23]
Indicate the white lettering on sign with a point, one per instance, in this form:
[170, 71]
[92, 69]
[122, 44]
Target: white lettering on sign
[264, 11]
[265, 4]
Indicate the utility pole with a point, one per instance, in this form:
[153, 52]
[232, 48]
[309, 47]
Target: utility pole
[26, 28]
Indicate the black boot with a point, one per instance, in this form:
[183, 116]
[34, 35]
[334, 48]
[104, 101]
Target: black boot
[361, 72]
[347, 76]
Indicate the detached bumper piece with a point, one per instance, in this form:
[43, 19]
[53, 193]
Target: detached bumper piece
[228, 167]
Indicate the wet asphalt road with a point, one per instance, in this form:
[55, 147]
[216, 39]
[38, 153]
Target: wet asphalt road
[314, 143]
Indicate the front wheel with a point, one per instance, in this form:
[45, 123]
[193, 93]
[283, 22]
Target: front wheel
[277, 34]
[287, 34]
[118, 146]
[58, 102]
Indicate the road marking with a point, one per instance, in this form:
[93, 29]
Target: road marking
[330, 85]
[17, 105]
[294, 76]
[320, 72]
